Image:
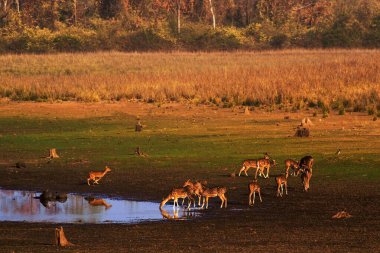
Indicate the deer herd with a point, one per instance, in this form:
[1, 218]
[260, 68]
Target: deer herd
[191, 190]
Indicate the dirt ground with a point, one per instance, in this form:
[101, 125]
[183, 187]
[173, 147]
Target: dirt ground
[298, 222]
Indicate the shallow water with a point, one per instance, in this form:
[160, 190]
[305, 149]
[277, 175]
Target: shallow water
[24, 206]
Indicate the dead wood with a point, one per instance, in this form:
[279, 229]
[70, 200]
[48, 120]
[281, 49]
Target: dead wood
[60, 238]
[341, 215]
[138, 127]
[53, 153]
[139, 152]
[302, 132]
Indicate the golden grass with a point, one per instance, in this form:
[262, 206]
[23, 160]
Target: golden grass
[291, 77]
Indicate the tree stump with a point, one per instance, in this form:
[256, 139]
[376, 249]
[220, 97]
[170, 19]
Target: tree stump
[138, 127]
[246, 111]
[53, 153]
[139, 152]
[302, 132]
[60, 238]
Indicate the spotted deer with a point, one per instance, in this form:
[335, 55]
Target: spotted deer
[197, 188]
[253, 187]
[253, 163]
[282, 181]
[263, 164]
[306, 162]
[294, 165]
[214, 192]
[97, 175]
[179, 193]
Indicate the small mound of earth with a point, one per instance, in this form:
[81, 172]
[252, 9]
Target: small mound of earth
[341, 215]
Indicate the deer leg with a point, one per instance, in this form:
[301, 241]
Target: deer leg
[254, 197]
[286, 188]
[260, 196]
[221, 198]
[225, 201]
[241, 170]
[250, 198]
[268, 172]
[206, 202]
[88, 181]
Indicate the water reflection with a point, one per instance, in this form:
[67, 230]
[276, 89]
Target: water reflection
[29, 207]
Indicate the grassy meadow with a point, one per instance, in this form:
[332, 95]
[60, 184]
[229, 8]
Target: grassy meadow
[181, 142]
[345, 80]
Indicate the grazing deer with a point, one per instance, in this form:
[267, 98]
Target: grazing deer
[98, 202]
[97, 175]
[282, 181]
[253, 188]
[197, 188]
[306, 162]
[294, 165]
[179, 193]
[214, 192]
[305, 177]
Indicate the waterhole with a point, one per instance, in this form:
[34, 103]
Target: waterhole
[26, 206]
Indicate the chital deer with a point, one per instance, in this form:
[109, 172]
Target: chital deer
[253, 188]
[179, 193]
[214, 192]
[305, 177]
[247, 164]
[197, 188]
[282, 181]
[294, 165]
[97, 175]
[263, 164]
[307, 162]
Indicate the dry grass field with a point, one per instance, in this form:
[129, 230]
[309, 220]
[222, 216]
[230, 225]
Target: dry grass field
[291, 79]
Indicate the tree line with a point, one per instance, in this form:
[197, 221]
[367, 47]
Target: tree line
[80, 25]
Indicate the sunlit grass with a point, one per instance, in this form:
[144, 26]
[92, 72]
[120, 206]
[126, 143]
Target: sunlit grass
[287, 79]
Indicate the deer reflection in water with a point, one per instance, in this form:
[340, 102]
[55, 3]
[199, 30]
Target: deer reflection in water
[184, 215]
[98, 202]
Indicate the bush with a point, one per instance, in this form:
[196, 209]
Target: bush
[278, 41]
[145, 40]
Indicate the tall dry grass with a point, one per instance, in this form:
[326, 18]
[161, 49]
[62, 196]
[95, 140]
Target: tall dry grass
[291, 78]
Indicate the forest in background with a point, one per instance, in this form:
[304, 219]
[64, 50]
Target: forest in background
[48, 26]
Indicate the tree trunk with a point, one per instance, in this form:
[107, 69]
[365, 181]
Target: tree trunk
[213, 14]
[75, 11]
[179, 16]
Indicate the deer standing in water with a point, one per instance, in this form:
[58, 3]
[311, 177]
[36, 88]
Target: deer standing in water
[179, 193]
[214, 192]
[253, 188]
[282, 181]
[97, 175]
